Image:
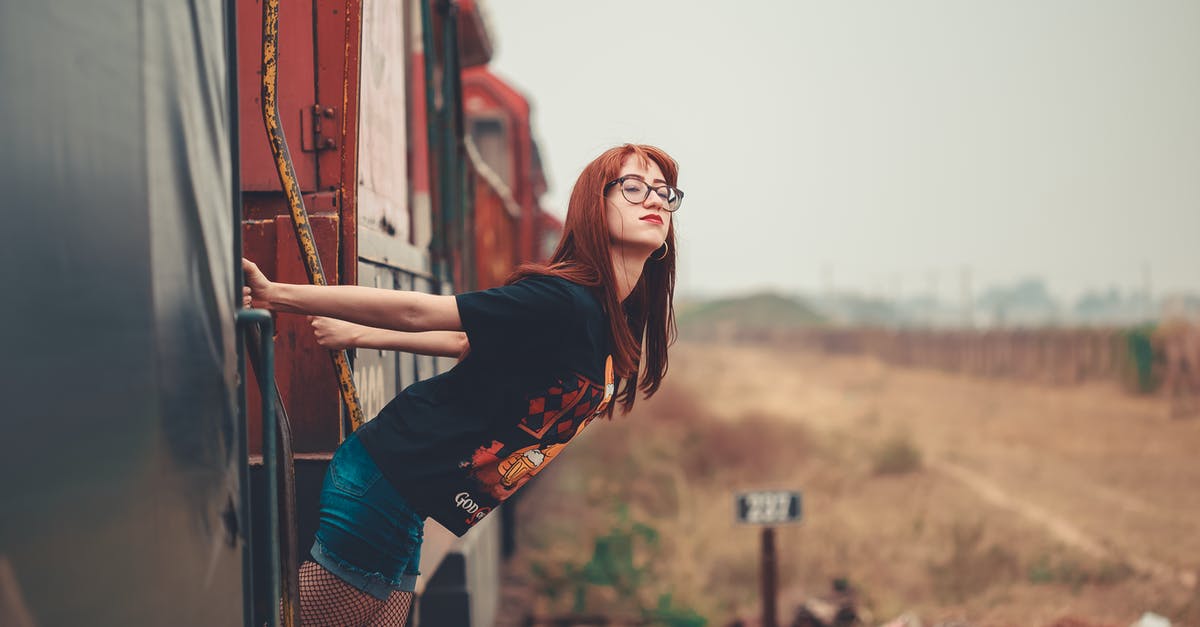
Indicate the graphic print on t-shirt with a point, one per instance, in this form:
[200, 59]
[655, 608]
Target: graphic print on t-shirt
[552, 419]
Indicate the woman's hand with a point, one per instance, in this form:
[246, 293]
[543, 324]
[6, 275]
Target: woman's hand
[257, 289]
[334, 334]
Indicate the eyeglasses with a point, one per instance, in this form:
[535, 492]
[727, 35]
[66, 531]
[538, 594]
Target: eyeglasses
[636, 191]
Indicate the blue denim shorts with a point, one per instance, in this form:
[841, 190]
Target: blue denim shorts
[368, 534]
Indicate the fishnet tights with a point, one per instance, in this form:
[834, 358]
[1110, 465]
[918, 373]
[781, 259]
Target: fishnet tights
[327, 601]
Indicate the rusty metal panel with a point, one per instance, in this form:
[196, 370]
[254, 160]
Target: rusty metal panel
[487, 96]
[338, 29]
[474, 39]
[296, 93]
[337, 33]
[495, 237]
[304, 371]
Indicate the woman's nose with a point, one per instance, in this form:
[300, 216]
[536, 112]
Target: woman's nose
[654, 200]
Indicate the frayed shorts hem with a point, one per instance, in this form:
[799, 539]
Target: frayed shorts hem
[374, 584]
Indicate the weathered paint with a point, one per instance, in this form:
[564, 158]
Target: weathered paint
[382, 194]
[510, 226]
[295, 94]
[420, 184]
[347, 83]
[486, 95]
[291, 187]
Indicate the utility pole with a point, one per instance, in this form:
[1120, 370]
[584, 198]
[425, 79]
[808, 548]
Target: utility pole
[1147, 293]
[967, 299]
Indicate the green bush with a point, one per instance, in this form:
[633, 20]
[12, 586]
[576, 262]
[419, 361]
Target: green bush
[897, 456]
[621, 565]
[971, 568]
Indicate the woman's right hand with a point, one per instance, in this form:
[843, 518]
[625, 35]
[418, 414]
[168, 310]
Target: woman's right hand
[257, 284]
[334, 334]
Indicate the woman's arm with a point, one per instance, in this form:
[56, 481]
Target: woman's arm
[339, 334]
[372, 307]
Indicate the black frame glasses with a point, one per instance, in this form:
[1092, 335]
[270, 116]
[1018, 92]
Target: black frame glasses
[671, 196]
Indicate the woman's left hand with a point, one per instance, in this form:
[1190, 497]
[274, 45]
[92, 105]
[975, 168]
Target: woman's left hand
[334, 334]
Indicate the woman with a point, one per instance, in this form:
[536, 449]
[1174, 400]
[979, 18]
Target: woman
[541, 357]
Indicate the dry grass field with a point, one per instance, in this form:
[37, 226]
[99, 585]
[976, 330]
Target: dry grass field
[982, 501]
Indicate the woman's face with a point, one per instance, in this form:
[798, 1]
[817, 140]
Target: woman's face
[637, 227]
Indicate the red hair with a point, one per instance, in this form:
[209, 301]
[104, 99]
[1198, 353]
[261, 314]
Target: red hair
[644, 325]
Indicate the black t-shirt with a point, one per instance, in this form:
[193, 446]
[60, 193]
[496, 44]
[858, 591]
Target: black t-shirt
[538, 372]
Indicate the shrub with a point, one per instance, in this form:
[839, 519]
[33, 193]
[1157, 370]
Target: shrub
[897, 456]
[1072, 573]
[971, 568]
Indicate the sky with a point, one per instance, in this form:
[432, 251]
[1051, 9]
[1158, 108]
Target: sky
[890, 148]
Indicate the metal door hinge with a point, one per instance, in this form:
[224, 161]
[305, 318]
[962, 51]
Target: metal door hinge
[318, 130]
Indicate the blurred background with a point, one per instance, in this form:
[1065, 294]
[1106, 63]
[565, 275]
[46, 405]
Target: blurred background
[921, 153]
[939, 272]
[938, 287]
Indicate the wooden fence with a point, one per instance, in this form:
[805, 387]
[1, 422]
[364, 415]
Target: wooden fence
[1163, 359]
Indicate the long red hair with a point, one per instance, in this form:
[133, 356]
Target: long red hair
[644, 325]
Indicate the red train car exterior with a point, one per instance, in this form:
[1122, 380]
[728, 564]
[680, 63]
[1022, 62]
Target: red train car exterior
[318, 107]
[398, 194]
[358, 124]
[510, 224]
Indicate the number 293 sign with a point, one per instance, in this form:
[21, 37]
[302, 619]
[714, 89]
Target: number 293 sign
[769, 507]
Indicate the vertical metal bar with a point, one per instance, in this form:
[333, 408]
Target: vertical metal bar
[266, 377]
[270, 459]
[432, 124]
[457, 178]
[289, 563]
[449, 176]
[769, 578]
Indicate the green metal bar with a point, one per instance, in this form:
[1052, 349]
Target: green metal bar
[432, 126]
[463, 201]
[446, 175]
[261, 318]
[452, 123]
[289, 564]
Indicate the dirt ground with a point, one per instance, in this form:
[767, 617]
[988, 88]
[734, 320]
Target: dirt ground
[952, 498]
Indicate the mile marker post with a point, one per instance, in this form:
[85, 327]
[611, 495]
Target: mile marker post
[770, 571]
[769, 508]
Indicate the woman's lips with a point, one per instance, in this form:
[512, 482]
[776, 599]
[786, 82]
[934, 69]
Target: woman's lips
[652, 218]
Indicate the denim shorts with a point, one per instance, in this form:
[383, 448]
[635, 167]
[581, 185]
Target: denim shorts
[368, 534]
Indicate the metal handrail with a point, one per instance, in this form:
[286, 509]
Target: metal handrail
[288, 536]
[291, 188]
[250, 319]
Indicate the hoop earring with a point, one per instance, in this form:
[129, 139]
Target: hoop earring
[666, 249]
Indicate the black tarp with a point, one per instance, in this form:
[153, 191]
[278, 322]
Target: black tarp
[118, 440]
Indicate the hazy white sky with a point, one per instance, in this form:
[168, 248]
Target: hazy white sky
[886, 146]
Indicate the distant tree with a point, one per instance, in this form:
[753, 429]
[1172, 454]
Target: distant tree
[1028, 301]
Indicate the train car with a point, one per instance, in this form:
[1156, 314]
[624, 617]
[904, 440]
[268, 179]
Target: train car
[138, 159]
[121, 501]
[510, 224]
